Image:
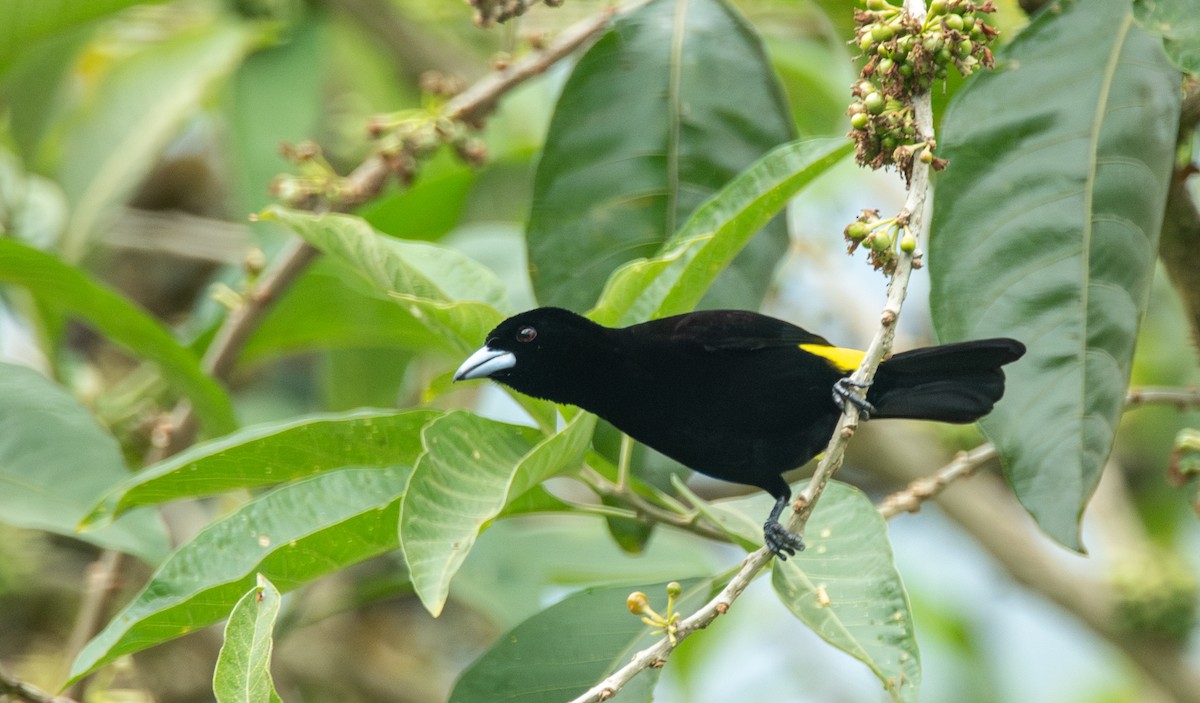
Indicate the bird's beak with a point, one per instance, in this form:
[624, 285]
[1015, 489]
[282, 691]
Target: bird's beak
[484, 363]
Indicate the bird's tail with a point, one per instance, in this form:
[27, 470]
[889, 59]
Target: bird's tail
[948, 383]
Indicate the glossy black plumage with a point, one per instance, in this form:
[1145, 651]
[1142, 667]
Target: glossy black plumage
[735, 395]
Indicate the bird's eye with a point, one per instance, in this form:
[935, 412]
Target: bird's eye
[526, 334]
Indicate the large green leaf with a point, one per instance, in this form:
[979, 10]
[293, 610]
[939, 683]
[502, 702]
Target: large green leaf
[65, 287]
[331, 307]
[452, 297]
[54, 461]
[292, 535]
[243, 671]
[1045, 229]
[471, 469]
[845, 585]
[671, 103]
[1179, 24]
[273, 453]
[570, 647]
[110, 141]
[674, 281]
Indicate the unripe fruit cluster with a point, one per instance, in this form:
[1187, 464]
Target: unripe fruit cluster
[905, 57]
[879, 237]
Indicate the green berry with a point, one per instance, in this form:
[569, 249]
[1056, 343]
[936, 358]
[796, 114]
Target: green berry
[859, 120]
[874, 103]
[857, 230]
[937, 7]
[908, 243]
[877, 5]
[886, 65]
[882, 32]
[880, 241]
[954, 22]
[965, 46]
[865, 42]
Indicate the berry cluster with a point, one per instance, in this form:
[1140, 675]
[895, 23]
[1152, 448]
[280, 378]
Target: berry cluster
[879, 236]
[905, 57]
[404, 141]
[409, 137]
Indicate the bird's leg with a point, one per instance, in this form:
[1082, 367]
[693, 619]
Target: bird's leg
[847, 390]
[781, 542]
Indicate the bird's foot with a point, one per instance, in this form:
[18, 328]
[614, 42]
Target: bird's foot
[846, 390]
[780, 541]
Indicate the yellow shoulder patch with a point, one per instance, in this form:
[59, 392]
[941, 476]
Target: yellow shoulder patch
[841, 358]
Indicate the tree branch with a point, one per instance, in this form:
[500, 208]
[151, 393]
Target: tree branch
[964, 465]
[914, 212]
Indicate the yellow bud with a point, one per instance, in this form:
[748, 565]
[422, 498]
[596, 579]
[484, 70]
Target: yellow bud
[638, 604]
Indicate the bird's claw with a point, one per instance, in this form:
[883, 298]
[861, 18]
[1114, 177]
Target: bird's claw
[780, 541]
[847, 389]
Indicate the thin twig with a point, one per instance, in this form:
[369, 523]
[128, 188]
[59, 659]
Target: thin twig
[1181, 398]
[15, 688]
[914, 214]
[910, 499]
[473, 104]
[691, 522]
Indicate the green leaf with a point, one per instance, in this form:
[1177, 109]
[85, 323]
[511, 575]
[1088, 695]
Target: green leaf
[452, 297]
[675, 100]
[54, 461]
[471, 469]
[292, 535]
[331, 307]
[272, 453]
[1045, 229]
[571, 646]
[111, 141]
[428, 210]
[63, 286]
[243, 671]
[518, 564]
[26, 21]
[1179, 25]
[845, 585]
[674, 281]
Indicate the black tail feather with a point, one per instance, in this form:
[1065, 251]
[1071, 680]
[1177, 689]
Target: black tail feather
[948, 383]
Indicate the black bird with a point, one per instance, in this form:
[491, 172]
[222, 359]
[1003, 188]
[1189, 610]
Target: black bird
[733, 394]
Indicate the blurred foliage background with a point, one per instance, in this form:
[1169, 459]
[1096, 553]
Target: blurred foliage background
[136, 139]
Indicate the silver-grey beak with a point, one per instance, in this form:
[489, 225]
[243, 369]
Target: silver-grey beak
[484, 363]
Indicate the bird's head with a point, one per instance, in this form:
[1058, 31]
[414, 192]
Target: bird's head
[536, 352]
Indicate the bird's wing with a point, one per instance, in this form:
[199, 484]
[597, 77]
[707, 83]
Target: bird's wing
[729, 330]
[741, 330]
